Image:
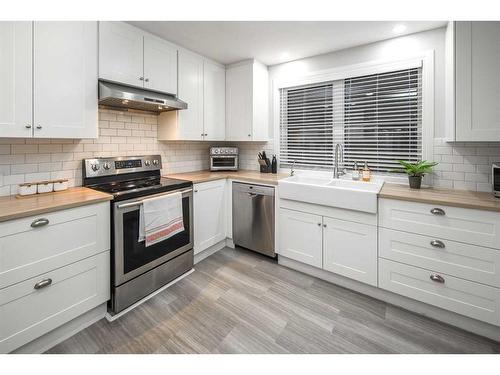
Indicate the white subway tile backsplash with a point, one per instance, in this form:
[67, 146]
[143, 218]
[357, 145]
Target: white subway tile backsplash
[471, 164]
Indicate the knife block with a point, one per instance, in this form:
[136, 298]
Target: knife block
[265, 169]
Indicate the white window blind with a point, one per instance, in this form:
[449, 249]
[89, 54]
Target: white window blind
[378, 119]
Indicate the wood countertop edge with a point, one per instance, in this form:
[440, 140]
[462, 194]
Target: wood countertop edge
[458, 200]
[207, 176]
[48, 207]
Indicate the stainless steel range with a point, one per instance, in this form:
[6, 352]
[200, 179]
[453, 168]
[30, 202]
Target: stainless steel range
[137, 271]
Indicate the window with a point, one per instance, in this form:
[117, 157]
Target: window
[378, 119]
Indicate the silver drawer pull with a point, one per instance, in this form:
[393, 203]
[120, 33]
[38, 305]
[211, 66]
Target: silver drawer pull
[437, 278]
[438, 244]
[438, 211]
[39, 222]
[43, 283]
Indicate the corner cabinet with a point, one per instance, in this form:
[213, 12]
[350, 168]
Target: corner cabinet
[247, 107]
[209, 206]
[473, 55]
[134, 57]
[202, 87]
[50, 71]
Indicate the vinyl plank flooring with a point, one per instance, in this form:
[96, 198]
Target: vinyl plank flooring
[237, 301]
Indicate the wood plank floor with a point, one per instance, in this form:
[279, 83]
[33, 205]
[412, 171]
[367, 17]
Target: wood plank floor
[240, 302]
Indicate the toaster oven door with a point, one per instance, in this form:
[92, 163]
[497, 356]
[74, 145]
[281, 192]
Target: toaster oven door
[224, 163]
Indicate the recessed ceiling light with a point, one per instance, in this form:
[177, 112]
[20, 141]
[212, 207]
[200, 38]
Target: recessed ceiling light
[398, 29]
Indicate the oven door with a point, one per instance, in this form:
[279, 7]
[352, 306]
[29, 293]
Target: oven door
[131, 257]
[226, 162]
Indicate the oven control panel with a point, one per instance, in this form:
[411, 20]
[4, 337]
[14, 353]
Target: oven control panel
[223, 151]
[98, 167]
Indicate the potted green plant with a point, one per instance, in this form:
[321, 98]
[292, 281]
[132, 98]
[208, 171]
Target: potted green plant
[416, 171]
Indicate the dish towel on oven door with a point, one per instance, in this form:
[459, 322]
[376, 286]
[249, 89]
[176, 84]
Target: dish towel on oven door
[160, 218]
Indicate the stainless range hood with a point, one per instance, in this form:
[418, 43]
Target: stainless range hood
[116, 95]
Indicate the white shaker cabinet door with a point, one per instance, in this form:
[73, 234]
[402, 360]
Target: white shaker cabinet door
[65, 79]
[350, 249]
[300, 237]
[214, 96]
[121, 53]
[160, 65]
[239, 103]
[209, 206]
[477, 59]
[190, 87]
[16, 79]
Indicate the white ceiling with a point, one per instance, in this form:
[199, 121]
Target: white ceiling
[275, 42]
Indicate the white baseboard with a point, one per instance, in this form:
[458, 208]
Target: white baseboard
[445, 316]
[58, 335]
[211, 250]
[230, 243]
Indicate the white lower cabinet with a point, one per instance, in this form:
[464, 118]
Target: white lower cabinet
[344, 247]
[209, 204]
[464, 297]
[300, 237]
[53, 268]
[28, 313]
[350, 249]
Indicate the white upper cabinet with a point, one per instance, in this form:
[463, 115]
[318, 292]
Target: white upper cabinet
[65, 80]
[48, 72]
[473, 58]
[160, 65]
[247, 93]
[191, 91]
[201, 85]
[134, 57]
[15, 76]
[214, 96]
[121, 53]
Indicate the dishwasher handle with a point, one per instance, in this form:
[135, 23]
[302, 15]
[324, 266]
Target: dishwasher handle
[253, 189]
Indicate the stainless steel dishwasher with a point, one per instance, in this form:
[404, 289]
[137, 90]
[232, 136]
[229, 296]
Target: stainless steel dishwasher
[253, 217]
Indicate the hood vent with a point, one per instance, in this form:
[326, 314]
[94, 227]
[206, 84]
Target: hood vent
[120, 96]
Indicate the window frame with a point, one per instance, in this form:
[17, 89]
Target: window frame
[424, 60]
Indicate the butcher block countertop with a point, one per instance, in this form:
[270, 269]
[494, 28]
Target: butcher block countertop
[13, 207]
[241, 175]
[447, 197]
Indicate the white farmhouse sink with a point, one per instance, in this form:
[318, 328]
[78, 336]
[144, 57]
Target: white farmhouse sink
[341, 193]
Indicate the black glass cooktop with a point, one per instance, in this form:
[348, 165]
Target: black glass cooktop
[128, 189]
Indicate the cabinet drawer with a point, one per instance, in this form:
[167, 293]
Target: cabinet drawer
[464, 297]
[64, 237]
[475, 263]
[28, 313]
[475, 227]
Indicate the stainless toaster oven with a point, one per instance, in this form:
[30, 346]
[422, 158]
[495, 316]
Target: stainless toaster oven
[223, 158]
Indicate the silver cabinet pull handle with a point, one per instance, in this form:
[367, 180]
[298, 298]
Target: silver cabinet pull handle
[438, 244]
[42, 284]
[437, 278]
[324, 225]
[28, 126]
[141, 78]
[39, 222]
[319, 224]
[146, 80]
[438, 211]
[39, 127]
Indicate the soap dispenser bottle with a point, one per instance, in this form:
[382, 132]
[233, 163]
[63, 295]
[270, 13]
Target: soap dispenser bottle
[355, 172]
[366, 173]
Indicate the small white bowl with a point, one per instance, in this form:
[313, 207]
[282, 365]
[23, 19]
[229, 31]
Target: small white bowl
[45, 187]
[27, 189]
[60, 185]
